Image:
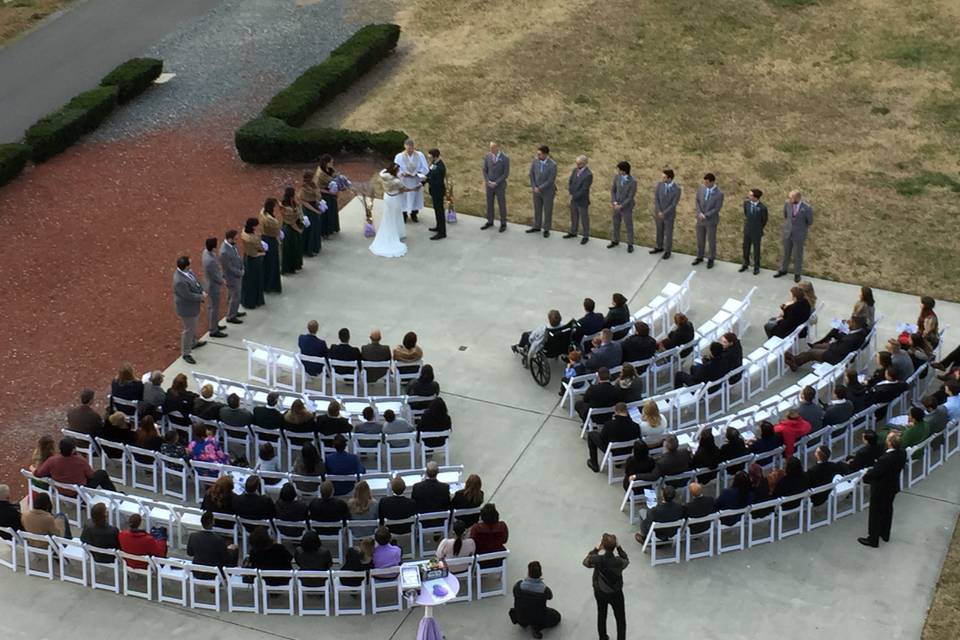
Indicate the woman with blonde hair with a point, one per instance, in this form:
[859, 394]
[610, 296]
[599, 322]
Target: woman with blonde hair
[126, 386]
[653, 425]
[44, 449]
[363, 506]
[811, 296]
[298, 419]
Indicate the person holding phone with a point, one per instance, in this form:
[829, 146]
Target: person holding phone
[608, 560]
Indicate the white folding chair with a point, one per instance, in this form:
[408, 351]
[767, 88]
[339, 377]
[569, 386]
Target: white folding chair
[369, 446]
[826, 506]
[67, 500]
[239, 437]
[283, 589]
[737, 527]
[145, 462]
[369, 366]
[845, 490]
[699, 528]
[309, 585]
[71, 554]
[171, 570]
[10, 544]
[113, 452]
[791, 506]
[37, 555]
[615, 455]
[385, 579]
[404, 372]
[400, 444]
[653, 541]
[307, 378]
[258, 359]
[330, 534]
[243, 589]
[360, 529]
[284, 366]
[107, 561]
[497, 570]
[401, 528]
[339, 588]
[85, 444]
[634, 496]
[130, 565]
[204, 475]
[431, 451]
[462, 569]
[129, 408]
[762, 513]
[201, 579]
[344, 372]
[434, 524]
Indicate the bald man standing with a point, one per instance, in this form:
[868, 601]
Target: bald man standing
[797, 220]
[581, 179]
[375, 352]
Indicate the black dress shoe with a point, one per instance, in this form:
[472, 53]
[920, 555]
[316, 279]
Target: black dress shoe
[867, 542]
[593, 466]
[756, 270]
[240, 314]
[221, 327]
[432, 229]
[709, 264]
[885, 538]
[666, 256]
[655, 250]
[234, 320]
[696, 262]
[503, 228]
[537, 633]
[546, 233]
[218, 334]
[569, 235]
[199, 343]
[405, 217]
[779, 274]
[742, 268]
[629, 248]
[189, 359]
[532, 230]
[486, 225]
[612, 245]
[438, 236]
[413, 216]
[796, 278]
[584, 240]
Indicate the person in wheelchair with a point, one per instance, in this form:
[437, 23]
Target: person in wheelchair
[532, 341]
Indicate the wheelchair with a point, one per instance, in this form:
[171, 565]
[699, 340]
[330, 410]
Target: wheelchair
[557, 343]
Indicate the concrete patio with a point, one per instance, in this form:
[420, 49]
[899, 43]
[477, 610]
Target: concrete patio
[468, 298]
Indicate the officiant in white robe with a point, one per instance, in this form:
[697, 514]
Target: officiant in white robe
[413, 171]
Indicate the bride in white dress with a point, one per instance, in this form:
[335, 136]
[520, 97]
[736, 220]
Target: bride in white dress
[388, 241]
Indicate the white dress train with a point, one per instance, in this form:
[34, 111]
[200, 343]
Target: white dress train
[387, 242]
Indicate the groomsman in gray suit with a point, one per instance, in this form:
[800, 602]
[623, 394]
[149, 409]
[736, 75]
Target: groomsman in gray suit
[188, 295]
[797, 220]
[708, 205]
[214, 277]
[232, 265]
[666, 197]
[754, 220]
[496, 170]
[581, 178]
[543, 184]
[623, 193]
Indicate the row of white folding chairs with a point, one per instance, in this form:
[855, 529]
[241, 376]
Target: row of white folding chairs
[731, 317]
[289, 592]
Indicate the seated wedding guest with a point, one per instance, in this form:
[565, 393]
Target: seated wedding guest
[219, 497]
[116, 428]
[314, 347]
[309, 462]
[147, 437]
[927, 323]
[808, 408]
[45, 449]
[712, 369]
[331, 423]
[268, 460]
[376, 352]
[920, 352]
[732, 354]
[638, 462]
[822, 472]
[759, 485]
[575, 366]
[205, 407]
[840, 408]
[791, 429]
[792, 315]
[392, 424]
[674, 460]
[135, 541]
[915, 431]
[407, 352]
[681, 334]
[733, 447]
[630, 384]
[640, 346]
[179, 399]
[344, 351]
[423, 386]
[832, 352]
[900, 360]
[667, 510]
[591, 322]
[209, 548]
[458, 546]
[40, 520]
[885, 391]
[397, 506]
[268, 555]
[298, 419]
[618, 314]
[153, 393]
[270, 415]
[949, 361]
[435, 419]
[83, 418]
[98, 532]
[363, 506]
[856, 392]
[600, 395]
[70, 467]
[9, 512]
[205, 447]
[470, 497]
[794, 481]
[707, 456]
[533, 341]
[290, 508]
[530, 596]
[369, 426]
[653, 424]
[699, 506]
[357, 558]
[341, 462]
[490, 534]
[620, 428]
[251, 504]
[936, 415]
[883, 360]
[736, 496]
[863, 309]
[768, 440]
[171, 446]
[233, 415]
[126, 386]
[605, 353]
[807, 287]
[311, 556]
[385, 553]
[431, 494]
[328, 510]
[952, 403]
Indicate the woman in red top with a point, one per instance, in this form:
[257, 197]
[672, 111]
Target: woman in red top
[791, 429]
[489, 534]
[138, 542]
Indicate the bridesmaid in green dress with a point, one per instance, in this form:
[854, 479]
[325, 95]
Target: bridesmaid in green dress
[293, 227]
[251, 287]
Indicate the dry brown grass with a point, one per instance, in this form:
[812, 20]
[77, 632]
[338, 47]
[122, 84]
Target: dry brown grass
[840, 102]
[16, 16]
[943, 619]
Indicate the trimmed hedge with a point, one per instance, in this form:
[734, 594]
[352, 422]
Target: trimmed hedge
[270, 140]
[319, 84]
[13, 158]
[133, 77]
[53, 133]
[274, 136]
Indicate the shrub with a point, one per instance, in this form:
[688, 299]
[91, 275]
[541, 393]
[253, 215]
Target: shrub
[55, 132]
[133, 77]
[268, 140]
[13, 157]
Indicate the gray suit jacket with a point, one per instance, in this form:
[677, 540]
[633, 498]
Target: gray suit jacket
[212, 271]
[545, 179]
[187, 294]
[666, 200]
[710, 208]
[496, 170]
[797, 227]
[579, 186]
[232, 264]
[624, 191]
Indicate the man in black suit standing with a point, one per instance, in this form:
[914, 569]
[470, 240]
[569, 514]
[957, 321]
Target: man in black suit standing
[884, 480]
[755, 218]
[618, 429]
[436, 183]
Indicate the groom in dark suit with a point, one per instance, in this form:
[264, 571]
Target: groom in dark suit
[754, 220]
[436, 182]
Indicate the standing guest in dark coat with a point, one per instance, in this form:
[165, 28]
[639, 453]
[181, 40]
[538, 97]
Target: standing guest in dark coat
[618, 429]
[311, 345]
[608, 583]
[884, 480]
[530, 597]
[755, 217]
[436, 184]
[640, 346]
[84, 418]
[600, 395]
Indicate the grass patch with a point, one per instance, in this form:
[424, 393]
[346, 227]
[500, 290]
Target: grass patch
[19, 15]
[775, 170]
[792, 4]
[879, 110]
[943, 619]
[793, 147]
[917, 184]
